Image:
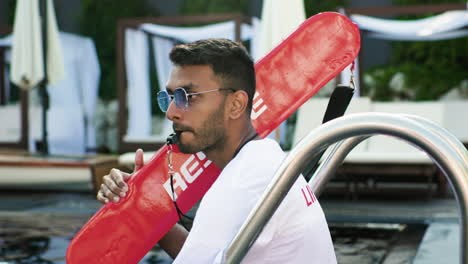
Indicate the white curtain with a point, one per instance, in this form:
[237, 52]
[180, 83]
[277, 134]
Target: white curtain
[433, 37]
[189, 34]
[256, 28]
[443, 26]
[89, 75]
[162, 47]
[138, 85]
[5, 41]
[72, 99]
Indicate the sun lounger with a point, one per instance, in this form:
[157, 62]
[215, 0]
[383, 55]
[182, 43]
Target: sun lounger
[385, 159]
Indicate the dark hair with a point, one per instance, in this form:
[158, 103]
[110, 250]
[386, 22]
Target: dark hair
[229, 60]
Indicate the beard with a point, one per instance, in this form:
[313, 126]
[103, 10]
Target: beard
[210, 135]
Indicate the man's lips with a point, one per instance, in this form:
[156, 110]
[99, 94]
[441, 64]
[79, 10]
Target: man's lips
[179, 129]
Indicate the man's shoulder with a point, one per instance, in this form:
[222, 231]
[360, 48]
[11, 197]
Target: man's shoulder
[263, 148]
[260, 157]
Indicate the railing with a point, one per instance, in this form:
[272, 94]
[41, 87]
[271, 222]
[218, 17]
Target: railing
[442, 147]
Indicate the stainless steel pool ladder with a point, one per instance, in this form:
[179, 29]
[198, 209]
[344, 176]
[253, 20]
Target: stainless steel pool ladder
[345, 133]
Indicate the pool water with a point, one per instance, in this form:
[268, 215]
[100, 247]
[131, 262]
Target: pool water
[51, 250]
[38, 227]
[369, 243]
[354, 243]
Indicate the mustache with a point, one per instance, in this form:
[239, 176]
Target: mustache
[179, 127]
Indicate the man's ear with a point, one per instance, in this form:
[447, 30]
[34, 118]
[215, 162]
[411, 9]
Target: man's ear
[238, 104]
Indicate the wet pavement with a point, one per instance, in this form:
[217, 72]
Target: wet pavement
[37, 227]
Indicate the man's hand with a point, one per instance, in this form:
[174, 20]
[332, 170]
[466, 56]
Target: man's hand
[114, 187]
[114, 184]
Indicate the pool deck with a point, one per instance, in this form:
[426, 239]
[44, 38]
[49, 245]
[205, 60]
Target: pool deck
[401, 211]
[441, 241]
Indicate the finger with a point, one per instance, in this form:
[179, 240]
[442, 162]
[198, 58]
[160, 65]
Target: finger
[112, 186]
[101, 198]
[125, 176]
[109, 194]
[119, 178]
[139, 162]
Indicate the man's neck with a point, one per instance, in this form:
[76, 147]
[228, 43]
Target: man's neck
[223, 155]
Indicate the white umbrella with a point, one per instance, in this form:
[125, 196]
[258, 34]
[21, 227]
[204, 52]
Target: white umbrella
[279, 19]
[27, 60]
[27, 64]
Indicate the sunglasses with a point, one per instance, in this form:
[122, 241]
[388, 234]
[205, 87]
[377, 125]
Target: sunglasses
[180, 97]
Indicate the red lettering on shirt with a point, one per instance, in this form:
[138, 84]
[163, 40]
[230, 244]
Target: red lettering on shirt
[308, 195]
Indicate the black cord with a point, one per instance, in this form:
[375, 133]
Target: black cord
[179, 212]
[172, 139]
[243, 144]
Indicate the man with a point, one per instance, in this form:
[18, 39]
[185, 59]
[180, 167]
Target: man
[209, 99]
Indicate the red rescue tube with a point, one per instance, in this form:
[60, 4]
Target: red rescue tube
[288, 76]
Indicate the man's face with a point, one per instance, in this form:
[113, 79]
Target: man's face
[201, 126]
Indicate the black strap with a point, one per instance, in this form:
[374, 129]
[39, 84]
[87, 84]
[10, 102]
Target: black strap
[337, 105]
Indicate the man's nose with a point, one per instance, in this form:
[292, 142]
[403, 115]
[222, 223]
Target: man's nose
[173, 112]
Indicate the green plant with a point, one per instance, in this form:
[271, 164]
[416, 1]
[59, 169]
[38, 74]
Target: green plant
[315, 7]
[193, 7]
[430, 68]
[376, 83]
[11, 6]
[98, 20]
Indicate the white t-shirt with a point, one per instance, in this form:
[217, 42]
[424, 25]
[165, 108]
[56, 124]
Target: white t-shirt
[297, 232]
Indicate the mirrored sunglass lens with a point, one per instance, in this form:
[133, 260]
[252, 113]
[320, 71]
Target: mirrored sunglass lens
[163, 100]
[180, 97]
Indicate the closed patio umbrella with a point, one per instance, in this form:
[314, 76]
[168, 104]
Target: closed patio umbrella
[279, 19]
[33, 40]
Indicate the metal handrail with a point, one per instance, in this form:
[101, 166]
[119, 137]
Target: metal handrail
[448, 157]
[340, 150]
[331, 161]
[451, 139]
